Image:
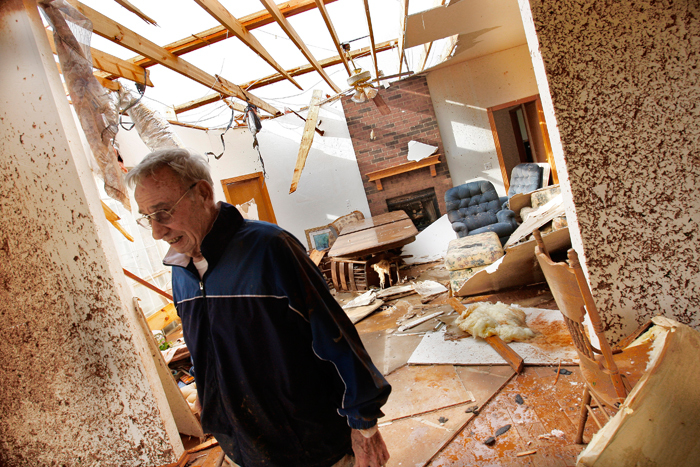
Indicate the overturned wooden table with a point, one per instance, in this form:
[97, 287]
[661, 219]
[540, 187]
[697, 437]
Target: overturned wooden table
[351, 254]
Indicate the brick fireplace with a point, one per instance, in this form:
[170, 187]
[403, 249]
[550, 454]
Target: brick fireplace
[381, 142]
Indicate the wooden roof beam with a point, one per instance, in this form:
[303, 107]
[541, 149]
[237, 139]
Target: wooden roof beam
[211, 98]
[216, 34]
[289, 30]
[402, 32]
[118, 34]
[112, 65]
[223, 16]
[371, 40]
[341, 53]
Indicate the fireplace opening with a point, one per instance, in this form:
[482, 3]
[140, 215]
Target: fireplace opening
[421, 206]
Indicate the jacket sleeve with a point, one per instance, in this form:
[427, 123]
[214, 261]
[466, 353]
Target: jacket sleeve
[334, 337]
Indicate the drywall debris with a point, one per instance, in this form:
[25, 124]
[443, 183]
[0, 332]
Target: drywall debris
[418, 151]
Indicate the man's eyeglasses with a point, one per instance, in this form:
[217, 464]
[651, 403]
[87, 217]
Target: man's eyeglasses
[163, 216]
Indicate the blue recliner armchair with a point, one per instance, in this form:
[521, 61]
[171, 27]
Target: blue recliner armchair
[475, 208]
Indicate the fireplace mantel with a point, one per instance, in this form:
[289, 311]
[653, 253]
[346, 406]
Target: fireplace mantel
[378, 175]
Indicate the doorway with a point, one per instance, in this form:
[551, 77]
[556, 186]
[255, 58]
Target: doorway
[248, 192]
[520, 135]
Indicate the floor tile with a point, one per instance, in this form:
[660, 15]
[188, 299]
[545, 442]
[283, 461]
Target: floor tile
[418, 389]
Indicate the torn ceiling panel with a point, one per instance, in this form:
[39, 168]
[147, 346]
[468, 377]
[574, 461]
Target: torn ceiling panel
[490, 26]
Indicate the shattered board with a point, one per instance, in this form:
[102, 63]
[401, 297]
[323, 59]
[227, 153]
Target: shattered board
[551, 345]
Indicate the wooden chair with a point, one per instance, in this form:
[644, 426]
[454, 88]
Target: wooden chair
[609, 373]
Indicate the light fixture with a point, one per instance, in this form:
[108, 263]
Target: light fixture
[359, 96]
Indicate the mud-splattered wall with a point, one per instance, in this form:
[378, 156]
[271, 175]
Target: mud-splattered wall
[624, 79]
[75, 389]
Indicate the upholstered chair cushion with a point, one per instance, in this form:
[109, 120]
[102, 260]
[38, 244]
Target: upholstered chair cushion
[525, 178]
[475, 208]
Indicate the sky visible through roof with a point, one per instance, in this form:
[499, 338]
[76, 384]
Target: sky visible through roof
[231, 59]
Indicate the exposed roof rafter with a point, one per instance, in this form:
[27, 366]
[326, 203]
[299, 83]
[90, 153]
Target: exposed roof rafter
[216, 34]
[292, 34]
[211, 98]
[402, 31]
[329, 24]
[118, 34]
[223, 16]
[112, 65]
[371, 40]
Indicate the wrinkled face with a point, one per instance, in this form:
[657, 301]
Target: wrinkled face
[191, 219]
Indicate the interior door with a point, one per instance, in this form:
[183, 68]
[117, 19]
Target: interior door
[243, 189]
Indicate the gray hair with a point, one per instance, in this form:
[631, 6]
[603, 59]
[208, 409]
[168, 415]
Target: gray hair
[188, 166]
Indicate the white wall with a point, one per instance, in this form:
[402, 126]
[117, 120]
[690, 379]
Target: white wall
[330, 185]
[462, 93]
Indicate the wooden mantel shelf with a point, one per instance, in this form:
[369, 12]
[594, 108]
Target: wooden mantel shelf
[377, 175]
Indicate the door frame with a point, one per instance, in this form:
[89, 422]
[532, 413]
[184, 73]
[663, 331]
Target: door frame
[543, 129]
[263, 189]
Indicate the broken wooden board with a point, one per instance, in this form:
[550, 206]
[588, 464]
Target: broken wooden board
[186, 422]
[357, 314]
[517, 267]
[658, 422]
[395, 292]
[551, 345]
[307, 137]
[537, 220]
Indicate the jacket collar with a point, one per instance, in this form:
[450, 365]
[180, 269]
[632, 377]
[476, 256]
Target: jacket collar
[227, 223]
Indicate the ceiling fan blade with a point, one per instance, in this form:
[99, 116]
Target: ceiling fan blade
[381, 105]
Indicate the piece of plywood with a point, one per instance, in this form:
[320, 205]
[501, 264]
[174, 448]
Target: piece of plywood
[551, 345]
[358, 313]
[307, 138]
[517, 267]
[658, 421]
[163, 317]
[431, 243]
[186, 422]
[537, 219]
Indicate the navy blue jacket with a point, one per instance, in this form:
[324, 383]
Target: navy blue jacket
[281, 372]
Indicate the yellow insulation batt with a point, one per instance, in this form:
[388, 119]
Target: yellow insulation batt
[486, 319]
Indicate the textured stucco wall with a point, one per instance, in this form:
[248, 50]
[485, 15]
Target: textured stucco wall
[461, 95]
[624, 80]
[75, 375]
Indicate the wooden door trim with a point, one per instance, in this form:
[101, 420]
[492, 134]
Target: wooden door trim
[497, 142]
[263, 188]
[547, 142]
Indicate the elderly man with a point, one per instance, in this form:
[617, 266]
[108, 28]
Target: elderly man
[281, 373]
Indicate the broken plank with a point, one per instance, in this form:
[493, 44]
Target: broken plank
[146, 284]
[371, 40]
[357, 314]
[418, 321]
[509, 355]
[306, 138]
